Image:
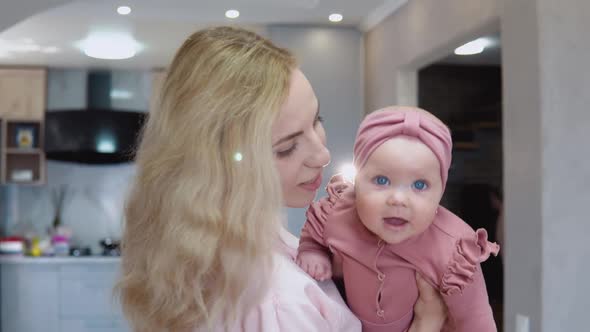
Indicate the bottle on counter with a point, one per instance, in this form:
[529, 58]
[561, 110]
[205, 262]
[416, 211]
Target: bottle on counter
[35, 249]
[61, 245]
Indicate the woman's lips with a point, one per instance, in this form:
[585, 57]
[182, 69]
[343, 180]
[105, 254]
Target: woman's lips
[312, 185]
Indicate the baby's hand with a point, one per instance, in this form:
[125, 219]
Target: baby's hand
[316, 265]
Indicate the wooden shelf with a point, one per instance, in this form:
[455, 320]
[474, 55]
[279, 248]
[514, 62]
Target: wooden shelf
[23, 151]
[24, 168]
[22, 116]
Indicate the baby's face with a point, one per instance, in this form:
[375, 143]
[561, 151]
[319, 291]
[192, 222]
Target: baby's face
[399, 189]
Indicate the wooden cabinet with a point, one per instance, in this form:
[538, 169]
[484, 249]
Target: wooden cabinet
[22, 114]
[22, 94]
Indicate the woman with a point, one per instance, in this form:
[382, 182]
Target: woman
[236, 137]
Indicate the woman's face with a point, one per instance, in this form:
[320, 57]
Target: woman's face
[299, 143]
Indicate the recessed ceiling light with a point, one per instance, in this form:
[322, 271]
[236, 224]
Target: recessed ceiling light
[109, 46]
[232, 13]
[473, 47]
[124, 10]
[335, 17]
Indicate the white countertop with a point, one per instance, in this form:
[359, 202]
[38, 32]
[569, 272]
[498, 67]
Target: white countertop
[8, 259]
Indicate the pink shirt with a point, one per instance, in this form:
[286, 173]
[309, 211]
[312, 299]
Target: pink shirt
[295, 302]
[380, 278]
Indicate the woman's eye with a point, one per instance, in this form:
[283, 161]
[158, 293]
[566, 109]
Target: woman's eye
[420, 185]
[287, 152]
[381, 180]
[319, 119]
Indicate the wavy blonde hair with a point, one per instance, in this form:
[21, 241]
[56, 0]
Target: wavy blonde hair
[200, 220]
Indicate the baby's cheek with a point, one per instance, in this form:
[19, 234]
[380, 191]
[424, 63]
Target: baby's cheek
[425, 219]
[365, 204]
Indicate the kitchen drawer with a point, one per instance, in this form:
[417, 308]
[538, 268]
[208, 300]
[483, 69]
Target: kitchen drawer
[87, 292]
[89, 270]
[28, 298]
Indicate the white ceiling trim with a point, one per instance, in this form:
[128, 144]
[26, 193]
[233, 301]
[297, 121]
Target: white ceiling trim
[380, 13]
[16, 11]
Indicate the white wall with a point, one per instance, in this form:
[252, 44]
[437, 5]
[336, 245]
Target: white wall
[547, 80]
[137, 87]
[331, 59]
[66, 88]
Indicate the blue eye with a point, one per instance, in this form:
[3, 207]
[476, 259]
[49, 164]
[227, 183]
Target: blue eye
[381, 180]
[420, 185]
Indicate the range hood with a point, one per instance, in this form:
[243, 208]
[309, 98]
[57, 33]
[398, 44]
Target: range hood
[96, 134]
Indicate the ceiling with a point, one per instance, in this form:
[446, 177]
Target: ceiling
[491, 56]
[47, 32]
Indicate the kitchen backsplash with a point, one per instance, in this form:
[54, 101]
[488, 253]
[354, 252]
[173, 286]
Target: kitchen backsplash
[93, 202]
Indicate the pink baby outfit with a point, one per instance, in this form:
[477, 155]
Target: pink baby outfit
[380, 278]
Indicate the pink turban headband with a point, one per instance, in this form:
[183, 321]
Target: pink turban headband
[389, 122]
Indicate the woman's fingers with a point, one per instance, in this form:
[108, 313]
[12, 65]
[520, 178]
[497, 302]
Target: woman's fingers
[430, 308]
[426, 291]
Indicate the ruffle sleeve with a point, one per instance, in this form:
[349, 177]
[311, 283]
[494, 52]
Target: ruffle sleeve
[469, 253]
[312, 234]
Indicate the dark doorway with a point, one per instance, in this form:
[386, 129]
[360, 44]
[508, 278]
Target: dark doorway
[466, 93]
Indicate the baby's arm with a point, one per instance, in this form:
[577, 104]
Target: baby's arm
[470, 309]
[313, 255]
[317, 265]
[463, 286]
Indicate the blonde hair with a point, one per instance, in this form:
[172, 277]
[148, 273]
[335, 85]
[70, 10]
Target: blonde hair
[203, 212]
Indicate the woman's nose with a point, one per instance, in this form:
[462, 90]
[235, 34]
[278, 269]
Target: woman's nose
[321, 158]
[319, 155]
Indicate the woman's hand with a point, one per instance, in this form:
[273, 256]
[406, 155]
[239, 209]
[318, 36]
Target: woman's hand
[430, 311]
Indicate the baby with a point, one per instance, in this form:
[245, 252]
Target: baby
[389, 225]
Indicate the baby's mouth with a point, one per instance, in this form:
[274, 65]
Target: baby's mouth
[394, 221]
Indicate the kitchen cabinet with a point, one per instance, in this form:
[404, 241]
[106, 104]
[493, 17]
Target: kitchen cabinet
[69, 294]
[22, 114]
[22, 93]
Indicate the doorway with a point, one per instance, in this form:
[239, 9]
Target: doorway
[465, 92]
